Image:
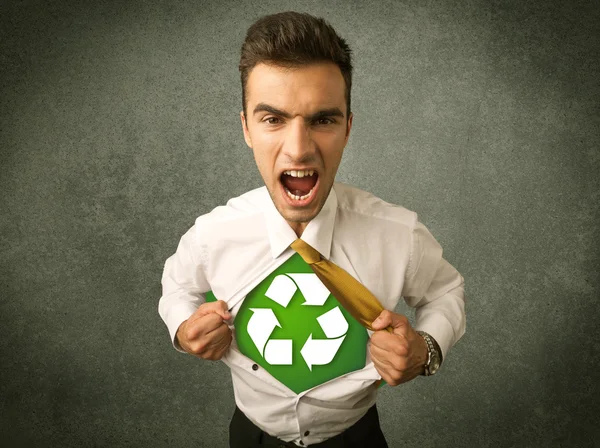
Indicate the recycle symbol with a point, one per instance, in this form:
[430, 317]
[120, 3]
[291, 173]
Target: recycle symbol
[314, 351]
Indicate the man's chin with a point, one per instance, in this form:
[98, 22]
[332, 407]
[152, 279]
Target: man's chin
[296, 214]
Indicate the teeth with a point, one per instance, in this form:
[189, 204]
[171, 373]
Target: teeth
[299, 173]
[298, 198]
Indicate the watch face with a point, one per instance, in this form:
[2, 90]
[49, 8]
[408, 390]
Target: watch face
[435, 364]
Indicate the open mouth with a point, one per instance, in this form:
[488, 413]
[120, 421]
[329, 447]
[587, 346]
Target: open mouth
[299, 186]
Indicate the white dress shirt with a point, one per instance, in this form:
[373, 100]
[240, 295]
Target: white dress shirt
[234, 247]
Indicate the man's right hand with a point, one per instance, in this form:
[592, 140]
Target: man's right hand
[205, 334]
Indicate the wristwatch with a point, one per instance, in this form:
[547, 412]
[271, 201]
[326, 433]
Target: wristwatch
[434, 356]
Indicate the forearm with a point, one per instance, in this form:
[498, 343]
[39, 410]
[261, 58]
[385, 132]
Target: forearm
[183, 284]
[443, 318]
[437, 291]
[175, 308]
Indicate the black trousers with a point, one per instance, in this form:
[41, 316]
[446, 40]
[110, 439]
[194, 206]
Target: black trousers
[365, 433]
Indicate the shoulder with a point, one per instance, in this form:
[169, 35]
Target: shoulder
[361, 205]
[237, 212]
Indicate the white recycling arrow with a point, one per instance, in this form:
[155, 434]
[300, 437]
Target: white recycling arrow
[282, 290]
[315, 351]
[279, 352]
[261, 325]
[320, 351]
[333, 323]
[314, 291]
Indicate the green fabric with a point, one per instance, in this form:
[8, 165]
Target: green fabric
[298, 321]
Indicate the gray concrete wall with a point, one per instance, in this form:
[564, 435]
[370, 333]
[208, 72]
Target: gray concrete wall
[119, 124]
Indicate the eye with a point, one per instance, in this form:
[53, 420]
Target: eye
[320, 121]
[330, 121]
[268, 120]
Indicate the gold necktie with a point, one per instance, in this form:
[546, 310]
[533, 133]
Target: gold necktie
[351, 294]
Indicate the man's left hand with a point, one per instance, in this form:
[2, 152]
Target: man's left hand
[399, 356]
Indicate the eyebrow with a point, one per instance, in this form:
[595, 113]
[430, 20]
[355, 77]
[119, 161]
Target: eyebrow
[324, 113]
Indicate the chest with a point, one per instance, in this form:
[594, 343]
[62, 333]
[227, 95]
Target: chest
[291, 326]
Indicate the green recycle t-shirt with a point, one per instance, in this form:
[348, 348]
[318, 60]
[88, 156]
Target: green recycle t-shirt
[311, 358]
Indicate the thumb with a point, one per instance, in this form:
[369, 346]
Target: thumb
[219, 307]
[222, 310]
[388, 318]
[383, 320]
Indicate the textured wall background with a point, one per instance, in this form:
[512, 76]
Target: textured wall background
[120, 124]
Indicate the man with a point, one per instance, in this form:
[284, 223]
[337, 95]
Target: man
[296, 118]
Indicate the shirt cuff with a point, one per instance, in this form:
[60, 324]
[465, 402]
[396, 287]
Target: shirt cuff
[440, 329]
[177, 315]
[439, 326]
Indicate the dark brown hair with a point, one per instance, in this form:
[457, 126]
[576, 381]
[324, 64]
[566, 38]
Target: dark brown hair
[292, 39]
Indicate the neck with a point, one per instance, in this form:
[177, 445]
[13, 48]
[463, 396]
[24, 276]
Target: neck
[298, 227]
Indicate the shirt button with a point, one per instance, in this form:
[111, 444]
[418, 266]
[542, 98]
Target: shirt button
[306, 433]
[254, 366]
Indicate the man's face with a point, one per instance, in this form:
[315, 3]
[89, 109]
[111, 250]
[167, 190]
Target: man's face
[287, 134]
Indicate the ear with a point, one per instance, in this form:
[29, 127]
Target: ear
[245, 129]
[349, 126]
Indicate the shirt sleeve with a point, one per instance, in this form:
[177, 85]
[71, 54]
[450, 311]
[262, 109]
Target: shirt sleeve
[184, 283]
[436, 289]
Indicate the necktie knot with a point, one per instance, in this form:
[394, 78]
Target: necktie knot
[308, 253]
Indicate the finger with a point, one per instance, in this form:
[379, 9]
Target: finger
[398, 322]
[219, 307]
[390, 342]
[383, 370]
[205, 340]
[392, 359]
[217, 343]
[203, 325]
[217, 337]
[391, 375]
[383, 320]
[381, 356]
[217, 332]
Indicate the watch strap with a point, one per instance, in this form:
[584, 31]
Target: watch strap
[432, 346]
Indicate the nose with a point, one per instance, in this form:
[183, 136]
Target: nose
[299, 145]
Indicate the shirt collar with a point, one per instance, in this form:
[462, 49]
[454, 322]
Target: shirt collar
[318, 233]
